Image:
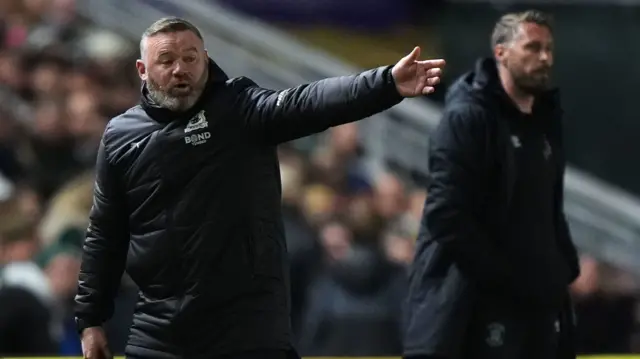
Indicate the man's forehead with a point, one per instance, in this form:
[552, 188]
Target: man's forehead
[534, 32]
[174, 41]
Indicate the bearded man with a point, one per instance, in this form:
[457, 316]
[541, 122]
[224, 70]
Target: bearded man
[494, 256]
[187, 199]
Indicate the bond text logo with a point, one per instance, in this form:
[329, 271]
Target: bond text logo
[194, 130]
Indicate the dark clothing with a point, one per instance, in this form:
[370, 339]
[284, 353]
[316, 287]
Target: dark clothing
[117, 328]
[532, 215]
[470, 247]
[10, 166]
[354, 308]
[25, 324]
[304, 261]
[54, 165]
[191, 202]
[501, 330]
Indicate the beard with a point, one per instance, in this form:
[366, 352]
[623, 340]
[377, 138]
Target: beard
[176, 99]
[532, 83]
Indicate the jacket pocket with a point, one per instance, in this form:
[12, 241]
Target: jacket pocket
[264, 251]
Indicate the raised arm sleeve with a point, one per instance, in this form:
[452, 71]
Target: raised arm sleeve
[281, 116]
[105, 246]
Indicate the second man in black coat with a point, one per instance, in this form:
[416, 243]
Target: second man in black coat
[494, 257]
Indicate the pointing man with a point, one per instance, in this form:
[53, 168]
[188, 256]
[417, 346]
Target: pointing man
[187, 199]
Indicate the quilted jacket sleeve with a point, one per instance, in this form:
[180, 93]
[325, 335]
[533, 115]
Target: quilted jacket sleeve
[281, 116]
[105, 246]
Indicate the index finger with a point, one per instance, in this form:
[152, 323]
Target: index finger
[433, 63]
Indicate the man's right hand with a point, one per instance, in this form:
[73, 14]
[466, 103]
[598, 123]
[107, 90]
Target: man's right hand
[94, 344]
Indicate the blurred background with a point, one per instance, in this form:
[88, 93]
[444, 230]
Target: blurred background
[352, 196]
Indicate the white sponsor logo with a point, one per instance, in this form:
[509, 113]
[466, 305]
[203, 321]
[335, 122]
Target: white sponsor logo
[197, 123]
[197, 139]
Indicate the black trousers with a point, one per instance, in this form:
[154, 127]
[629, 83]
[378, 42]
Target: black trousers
[498, 330]
[502, 330]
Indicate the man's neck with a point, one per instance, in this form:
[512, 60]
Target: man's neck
[522, 100]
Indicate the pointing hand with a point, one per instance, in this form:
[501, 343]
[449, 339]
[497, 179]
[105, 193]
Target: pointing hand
[414, 77]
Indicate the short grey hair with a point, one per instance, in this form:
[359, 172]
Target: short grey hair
[167, 25]
[507, 27]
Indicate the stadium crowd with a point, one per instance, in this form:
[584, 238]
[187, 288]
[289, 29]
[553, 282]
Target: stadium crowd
[350, 236]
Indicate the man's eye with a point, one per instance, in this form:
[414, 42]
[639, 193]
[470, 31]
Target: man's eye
[534, 47]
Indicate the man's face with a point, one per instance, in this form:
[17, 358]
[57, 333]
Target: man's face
[529, 57]
[174, 66]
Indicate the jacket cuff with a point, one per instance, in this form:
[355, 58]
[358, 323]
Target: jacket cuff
[82, 324]
[391, 82]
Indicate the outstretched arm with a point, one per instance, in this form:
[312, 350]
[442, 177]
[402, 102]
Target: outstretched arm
[281, 116]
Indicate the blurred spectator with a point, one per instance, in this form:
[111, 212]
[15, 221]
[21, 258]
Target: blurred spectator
[417, 199]
[605, 307]
[337, 163]
[61, 262]
[66, 217]
[390, 200]
[361, 216]
[300, 235]
[11, 70]
[46, 77]
[399, 244]
[27, 324]
[10, 166]
[61, 78]
[318, 204]
[354, 303]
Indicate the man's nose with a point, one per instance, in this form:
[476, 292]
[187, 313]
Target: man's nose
[179, 68]
[545, 56]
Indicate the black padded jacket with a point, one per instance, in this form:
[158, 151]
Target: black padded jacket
[189, 205]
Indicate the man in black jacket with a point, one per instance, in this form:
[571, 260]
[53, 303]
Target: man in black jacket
[495, 258]
[187, 197]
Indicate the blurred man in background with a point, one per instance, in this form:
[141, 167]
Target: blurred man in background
[606, 306]
[495, 258]
[27, 325]
[187, 195]
[354, 305]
